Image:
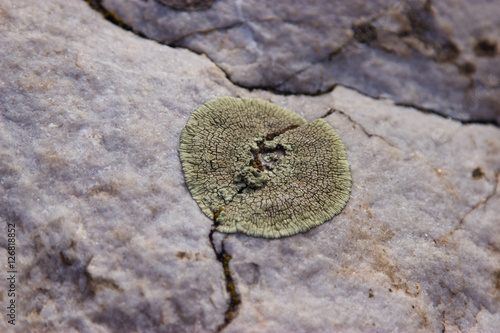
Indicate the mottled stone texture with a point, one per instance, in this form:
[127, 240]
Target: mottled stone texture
[443, 56]
[257, 168]
[109, 238]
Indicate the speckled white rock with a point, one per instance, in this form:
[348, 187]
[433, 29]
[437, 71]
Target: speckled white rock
[110, 240]
[438, 55]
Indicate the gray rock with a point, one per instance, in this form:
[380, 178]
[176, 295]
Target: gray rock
[108, 238]
[440, 56]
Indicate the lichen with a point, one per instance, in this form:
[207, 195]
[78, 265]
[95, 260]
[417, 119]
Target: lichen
[257, 168]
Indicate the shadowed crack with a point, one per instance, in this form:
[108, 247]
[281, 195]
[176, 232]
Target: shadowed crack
[224, 258]
[430, 111]
[480, 203]
[358, 125]
[111, 17]
[476, 206]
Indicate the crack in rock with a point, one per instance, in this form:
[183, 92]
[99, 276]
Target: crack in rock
[480, 203]
[187, 5]
[224, 258]
[368, 134]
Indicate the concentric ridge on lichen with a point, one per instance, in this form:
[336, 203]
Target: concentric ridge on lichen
[262, 170]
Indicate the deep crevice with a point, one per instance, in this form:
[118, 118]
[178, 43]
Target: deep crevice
[224, 258]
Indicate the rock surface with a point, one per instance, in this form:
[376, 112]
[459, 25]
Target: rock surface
[110, 240]
[438, 55]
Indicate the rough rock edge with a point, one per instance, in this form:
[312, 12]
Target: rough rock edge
[111, 17]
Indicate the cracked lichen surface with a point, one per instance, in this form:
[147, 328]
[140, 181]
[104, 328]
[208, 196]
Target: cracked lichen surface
[262, 170]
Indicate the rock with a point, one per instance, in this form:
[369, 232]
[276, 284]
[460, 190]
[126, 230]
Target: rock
[109, 239]
[439, 56]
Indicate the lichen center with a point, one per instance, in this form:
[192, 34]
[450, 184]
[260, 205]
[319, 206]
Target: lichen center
[266, 156]
[269, 159]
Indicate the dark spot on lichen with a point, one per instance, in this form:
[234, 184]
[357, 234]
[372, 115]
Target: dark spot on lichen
[256, 162]
[217, 213]
[370, 293]
[187, 5]
[365, 32]
[467, 68]
[271, 136]
[485, 48]
[477, 173]
[390, 290]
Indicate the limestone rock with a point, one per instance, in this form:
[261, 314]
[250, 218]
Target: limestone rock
[109, 238]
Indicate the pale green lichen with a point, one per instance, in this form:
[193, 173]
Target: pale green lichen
[262, 170]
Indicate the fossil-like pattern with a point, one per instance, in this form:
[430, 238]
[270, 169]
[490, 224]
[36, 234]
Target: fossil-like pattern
[262, 170]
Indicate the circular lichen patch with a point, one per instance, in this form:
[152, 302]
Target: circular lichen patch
[257, 168]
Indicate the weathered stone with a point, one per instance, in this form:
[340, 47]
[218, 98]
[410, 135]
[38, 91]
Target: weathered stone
[109, 238]
[442, 56]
